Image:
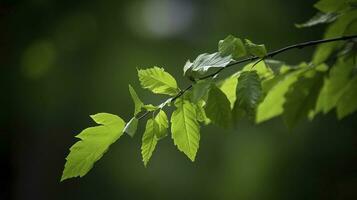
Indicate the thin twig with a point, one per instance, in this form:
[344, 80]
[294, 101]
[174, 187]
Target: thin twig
[253, 58]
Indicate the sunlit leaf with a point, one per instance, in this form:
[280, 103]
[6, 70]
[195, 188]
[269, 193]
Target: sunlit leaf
[205, 61]
[336, 29]
[158, 81]
[94, 142]
[331, 5]
[149, 140]
[228, 87]
[347, 103]
[331, 92]
[137, 102]
[185, 128]
[162, 123]
[301, 97]
[272, 104]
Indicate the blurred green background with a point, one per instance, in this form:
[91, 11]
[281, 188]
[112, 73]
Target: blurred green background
[64, 60]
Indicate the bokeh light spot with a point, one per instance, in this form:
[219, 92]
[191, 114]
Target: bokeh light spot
[38, 58]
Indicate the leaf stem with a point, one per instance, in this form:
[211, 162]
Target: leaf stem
[253, 58]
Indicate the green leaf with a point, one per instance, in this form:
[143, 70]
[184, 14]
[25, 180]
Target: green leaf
[94, 142]
[218, 108]
[149, 140]
[201, 113]
[158, 81]
[347, 104]
[274, 65]
[232, 46]
[331, 5]
[185, 128]
[255, 49]
[131, 127]
[228, 87]
[331, 92]
[336, 29]
[137, 102]
[249, 94]
[204, 62]
[263, 71]
[162, 123]
[301, 97]
[272, 104]
[319, 18]
[200, 89]
[150, 107]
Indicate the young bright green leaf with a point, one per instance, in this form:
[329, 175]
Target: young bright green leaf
[232, 46]
[255, 49]
[249, 94]
[347, 103]
[331, 92]
[185, 128]
[162, 123]
[200, 89]
[218, 108]
[149, 140]
[205, 61]
[131, 127]
[158, 81]
[228, 87]
[336, 29]
[319, 18]
[94, 142]
[272, 104]
[331, 5]
[137, 102]
[301, 97]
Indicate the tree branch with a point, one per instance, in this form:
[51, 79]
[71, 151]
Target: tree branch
[253, 58]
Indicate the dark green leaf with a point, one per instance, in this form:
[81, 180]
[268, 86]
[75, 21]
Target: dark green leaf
[218, 108]
[255, 49]
[249, 94]
[200, 89]
[232, 46]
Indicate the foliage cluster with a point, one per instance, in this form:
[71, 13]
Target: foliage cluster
[259, 91]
